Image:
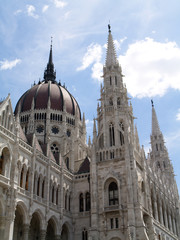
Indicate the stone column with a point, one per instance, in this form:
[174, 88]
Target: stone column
[165, 218]
[55, 195]
[40, 187]
[174, 226]
[161, 216]
[2, 227]
[24, 178]
[170, 222]
[43, 234]
[58, 237]
[25, 231]
[35, 184]
[155, 209]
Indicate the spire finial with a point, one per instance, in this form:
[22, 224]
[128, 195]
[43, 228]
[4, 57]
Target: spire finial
[109, 27]
[49, 73]
[152, 103]
[51, 41]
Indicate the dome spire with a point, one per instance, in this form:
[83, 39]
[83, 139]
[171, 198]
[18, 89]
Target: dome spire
[49, 73]
[111, 58]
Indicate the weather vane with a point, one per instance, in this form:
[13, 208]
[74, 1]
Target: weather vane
[109, 26]
[152, 103]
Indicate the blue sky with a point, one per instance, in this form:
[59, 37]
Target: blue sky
[147, 43]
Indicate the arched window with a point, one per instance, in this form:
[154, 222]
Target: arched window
[113, 194]
[21, 179]
[53, 194]
[116, 80]
[1, 163]
[88, 203]
[57, 201]
[111, 135]
[27, 180]
[69, 203]
[110, 102]
[67, 162]
[84, 234]
[65, 201]
[43, 185]
[81, 203]
[118, 101]
[38, 186]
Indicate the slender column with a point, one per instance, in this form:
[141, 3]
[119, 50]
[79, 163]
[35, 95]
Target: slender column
[58, 237]
[161, 216]
[170, 223]
[35, 185]
[155, 209]
[24, 178]
[174, 226]
[40, 187]
[165, 218]
[43, 234]
[25, 231]
[54, 195]
[50, 192]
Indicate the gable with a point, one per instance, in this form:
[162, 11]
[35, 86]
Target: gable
[6, 115]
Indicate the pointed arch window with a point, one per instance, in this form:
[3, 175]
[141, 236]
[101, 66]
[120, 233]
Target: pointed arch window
[67, 163]
[1, 163]
[53, 194]
[113, 194]
[118, 101]
[111, 135]
[27, 180]
[110, 81]
[43, 185]
[81, 203]
[84, 234]
[21, 179]
[116, 80]
[110, 102]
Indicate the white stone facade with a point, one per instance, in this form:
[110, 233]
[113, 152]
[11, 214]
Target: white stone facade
[55, 186]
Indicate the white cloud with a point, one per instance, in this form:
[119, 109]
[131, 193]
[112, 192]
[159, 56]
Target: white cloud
[93, 55]
[59, 3]
[4, 65]
[178, 115]
[45, 8]
[151, 67]
[17, 12]
[31, 11]
[97, 71]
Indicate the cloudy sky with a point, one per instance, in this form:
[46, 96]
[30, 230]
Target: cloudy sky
[147, 43]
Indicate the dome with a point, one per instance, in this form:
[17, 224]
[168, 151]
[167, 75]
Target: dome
[39, 95]
[48, 93]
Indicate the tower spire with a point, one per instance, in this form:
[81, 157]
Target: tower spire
[49, 73]
[155, 125]
[111, 58]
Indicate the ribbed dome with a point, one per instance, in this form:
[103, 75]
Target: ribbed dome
[39, 95]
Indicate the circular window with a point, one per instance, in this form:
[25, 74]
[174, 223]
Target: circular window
[40, 129]
[55, 130]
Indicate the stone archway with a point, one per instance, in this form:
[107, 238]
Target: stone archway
[18, 224]
[65, 232]
[35, 227]
[50, 233]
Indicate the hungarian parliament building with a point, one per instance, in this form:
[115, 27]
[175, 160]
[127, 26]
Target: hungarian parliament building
[54, 184]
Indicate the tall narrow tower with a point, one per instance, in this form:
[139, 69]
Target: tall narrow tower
[114, 190]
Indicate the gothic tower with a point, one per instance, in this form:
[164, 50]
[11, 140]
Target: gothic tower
[121, 178]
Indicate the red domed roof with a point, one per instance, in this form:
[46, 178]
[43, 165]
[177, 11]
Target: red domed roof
[39, 95]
